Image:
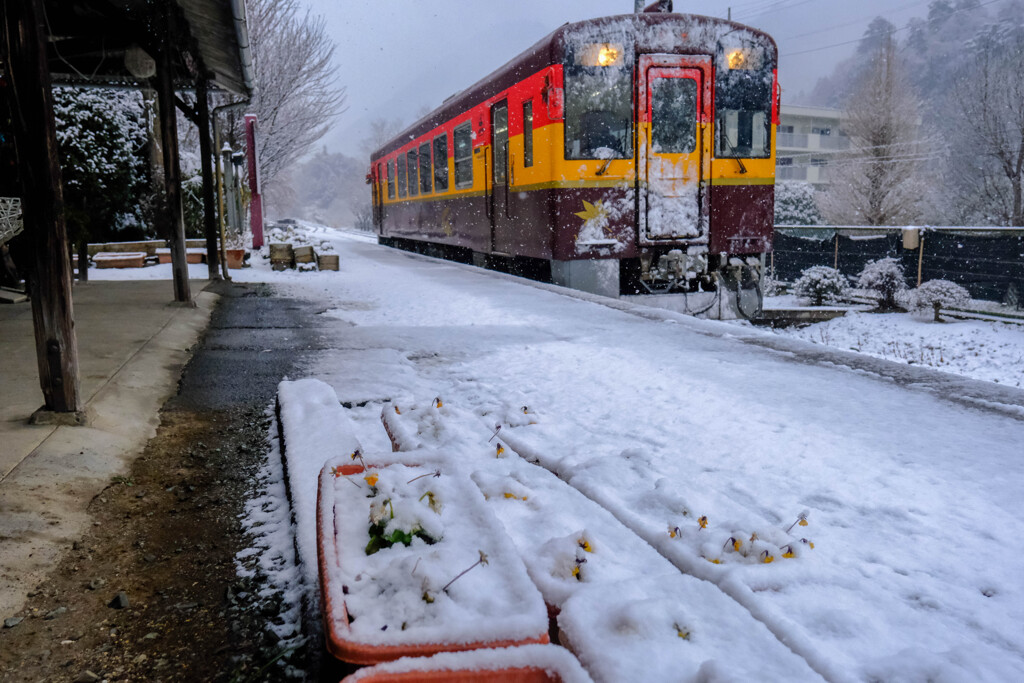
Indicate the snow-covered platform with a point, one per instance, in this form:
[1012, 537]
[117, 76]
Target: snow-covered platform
[910, 476]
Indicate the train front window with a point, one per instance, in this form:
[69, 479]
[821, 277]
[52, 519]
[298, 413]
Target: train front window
[391, 179]
[674, 115]
[598, 102]
[743, 103]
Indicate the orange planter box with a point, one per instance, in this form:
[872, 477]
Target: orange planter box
[340, 640]
[525, 664]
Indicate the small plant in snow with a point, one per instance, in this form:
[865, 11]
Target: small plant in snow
[885, 277]
[820, 284]
[938, 294]
[482, 560]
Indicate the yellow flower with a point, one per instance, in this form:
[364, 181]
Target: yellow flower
[585, 545]
[499, 450]
[673, 531]
[713, 560]
[437, 402]
[371, 479]
[789, 554]
[397, 411]
[802, 522]
[576, 572]
[682, 632]
[703, 522]
[767, 557]
[509, 494]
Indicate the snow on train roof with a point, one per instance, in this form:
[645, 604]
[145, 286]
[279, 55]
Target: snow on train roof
[650, 32]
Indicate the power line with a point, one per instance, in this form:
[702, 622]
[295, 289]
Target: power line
[853, 22]
[894, 31]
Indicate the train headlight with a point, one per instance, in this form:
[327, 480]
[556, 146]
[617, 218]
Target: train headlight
[600, 54]
[737, 59]
[744, 58]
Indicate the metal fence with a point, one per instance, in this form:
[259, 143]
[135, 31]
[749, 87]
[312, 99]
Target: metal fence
[987, 261]
[10, 218]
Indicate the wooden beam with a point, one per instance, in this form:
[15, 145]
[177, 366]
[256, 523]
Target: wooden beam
[171, 215]
[206, 153]
[191, 113]
[43, 212]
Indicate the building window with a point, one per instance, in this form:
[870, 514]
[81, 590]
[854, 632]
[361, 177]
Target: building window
[819, 162]
[426, 186]
[821, 131]
[464, 156]
[391, 180]
[414, 181]
[785, 129]
[400, 162]
[528, 133]
[784, 161]
[441, 163]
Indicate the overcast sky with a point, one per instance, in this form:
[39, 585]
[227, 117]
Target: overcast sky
[398, 57]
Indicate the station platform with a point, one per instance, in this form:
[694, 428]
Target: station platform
[132, 343]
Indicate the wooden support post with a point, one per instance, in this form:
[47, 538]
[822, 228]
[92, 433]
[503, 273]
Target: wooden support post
[43, 213]
[920, 257]
[209, 202]
[171, 216]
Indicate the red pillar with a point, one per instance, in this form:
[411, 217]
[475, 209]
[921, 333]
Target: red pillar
[256, 199]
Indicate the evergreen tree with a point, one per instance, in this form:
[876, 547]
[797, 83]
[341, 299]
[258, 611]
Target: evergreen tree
[101, 140]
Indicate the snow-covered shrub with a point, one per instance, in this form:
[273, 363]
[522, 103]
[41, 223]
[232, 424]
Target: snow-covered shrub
[772, 287]
[885, 277]
[938, 294]
[795, 204]
[820, 284]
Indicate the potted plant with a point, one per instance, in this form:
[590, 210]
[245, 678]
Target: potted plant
[411, 563]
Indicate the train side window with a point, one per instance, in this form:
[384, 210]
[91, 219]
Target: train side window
[391, 180]
[464, 156]
[528, 133]
[441, 163]
[400, 161]
[414, 183]
[426, 186]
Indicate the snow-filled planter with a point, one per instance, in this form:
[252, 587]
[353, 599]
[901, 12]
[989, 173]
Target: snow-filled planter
[412, 563]
[526, 664]
[439, 424]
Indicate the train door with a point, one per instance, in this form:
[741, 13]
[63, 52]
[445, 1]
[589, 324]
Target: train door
[501, 232]
[674, 147]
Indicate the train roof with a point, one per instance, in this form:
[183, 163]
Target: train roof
[701, 33]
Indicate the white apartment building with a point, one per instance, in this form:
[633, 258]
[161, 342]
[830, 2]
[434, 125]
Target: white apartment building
[807, 140]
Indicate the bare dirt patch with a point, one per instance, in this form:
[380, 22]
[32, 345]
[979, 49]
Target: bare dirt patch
[165, 536]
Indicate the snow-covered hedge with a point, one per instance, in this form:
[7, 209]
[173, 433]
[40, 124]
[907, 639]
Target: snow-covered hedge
[885, 277]
[820, 284]
[935, 295]
[796, 204]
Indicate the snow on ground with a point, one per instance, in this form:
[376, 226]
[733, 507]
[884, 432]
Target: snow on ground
[912, 500]
[985, 350]
[161, 271]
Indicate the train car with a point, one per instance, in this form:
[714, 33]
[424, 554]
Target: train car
[630, 154]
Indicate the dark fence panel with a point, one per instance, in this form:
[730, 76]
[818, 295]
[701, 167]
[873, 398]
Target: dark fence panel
[989, 264]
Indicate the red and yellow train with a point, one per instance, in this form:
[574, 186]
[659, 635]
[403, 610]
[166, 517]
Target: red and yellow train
[630, 154]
